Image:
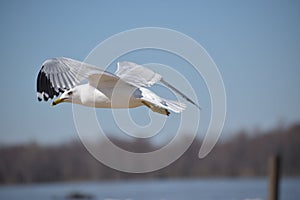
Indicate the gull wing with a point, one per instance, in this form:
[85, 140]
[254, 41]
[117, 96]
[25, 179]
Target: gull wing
[137, 75]
[141, 76]
[60, 74]
[180, 93]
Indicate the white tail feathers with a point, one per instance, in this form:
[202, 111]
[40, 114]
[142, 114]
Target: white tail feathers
[175, 106]
[158, 104]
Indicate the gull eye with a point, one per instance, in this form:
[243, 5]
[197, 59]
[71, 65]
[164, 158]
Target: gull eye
[70, 93]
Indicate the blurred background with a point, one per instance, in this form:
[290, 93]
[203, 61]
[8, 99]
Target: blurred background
[256, 47]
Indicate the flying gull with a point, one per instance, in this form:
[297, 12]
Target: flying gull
[126, 88]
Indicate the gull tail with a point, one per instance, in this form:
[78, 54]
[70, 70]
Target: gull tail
[159, 104]
[175, 106]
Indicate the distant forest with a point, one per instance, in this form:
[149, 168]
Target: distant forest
[243, 155]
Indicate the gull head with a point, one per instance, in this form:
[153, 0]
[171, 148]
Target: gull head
[67, 96]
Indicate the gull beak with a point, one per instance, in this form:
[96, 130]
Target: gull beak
[57, 101]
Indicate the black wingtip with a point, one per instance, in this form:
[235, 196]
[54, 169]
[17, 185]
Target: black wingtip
[45, 98]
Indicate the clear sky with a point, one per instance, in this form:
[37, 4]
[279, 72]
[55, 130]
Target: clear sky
[255, 45]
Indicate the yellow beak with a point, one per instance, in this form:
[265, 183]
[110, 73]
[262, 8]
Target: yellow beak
[57, 101]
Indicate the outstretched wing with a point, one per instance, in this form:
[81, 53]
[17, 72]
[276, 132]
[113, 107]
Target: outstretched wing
[140, 76]
[137, 75]
[60, 74]
[180, 93]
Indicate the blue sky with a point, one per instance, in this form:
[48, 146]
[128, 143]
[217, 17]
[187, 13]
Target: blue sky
[255, 45]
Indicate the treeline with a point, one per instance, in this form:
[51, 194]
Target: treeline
[242, 155]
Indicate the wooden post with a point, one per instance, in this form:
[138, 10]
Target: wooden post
[274, 176]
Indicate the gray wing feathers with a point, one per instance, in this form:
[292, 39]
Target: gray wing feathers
[140, 76]
[178, 92]
[137, 75]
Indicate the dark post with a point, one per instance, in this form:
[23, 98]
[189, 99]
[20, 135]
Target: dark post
[274, 176]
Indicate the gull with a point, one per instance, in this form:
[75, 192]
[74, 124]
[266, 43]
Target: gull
[126, 88]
